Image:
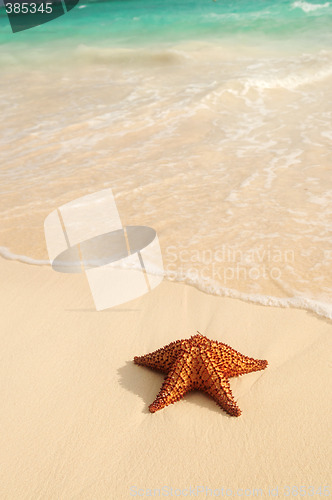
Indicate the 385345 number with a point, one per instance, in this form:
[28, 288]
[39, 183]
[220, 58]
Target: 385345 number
[28, 8]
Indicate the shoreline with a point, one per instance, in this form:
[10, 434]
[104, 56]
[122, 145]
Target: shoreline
[322, 310]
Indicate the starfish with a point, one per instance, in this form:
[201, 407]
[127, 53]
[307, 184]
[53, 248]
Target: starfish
[198, 363]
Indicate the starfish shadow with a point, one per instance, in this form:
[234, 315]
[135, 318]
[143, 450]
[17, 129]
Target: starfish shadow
[200, 398]
[142, 382]
[146, 382]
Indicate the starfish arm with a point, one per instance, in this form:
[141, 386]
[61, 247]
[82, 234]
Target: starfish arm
[233, 363]
[176, 384]
[246, 365]
[162, 359]
[216, 385]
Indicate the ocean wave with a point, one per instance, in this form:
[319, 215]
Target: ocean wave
[322, 309]
[86, 55]
[8, 255]
[138, 56]
[289, 82]
[309, 7]
[238, 16]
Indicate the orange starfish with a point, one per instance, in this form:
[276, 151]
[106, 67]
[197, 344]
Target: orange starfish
[199, 363]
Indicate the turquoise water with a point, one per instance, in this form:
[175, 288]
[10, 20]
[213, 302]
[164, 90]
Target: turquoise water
[132, 22]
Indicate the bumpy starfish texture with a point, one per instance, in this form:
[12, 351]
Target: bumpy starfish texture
[199, 363]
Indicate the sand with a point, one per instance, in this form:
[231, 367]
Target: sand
[74, 415]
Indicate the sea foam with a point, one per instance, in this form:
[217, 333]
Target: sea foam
[291, 81]
[7, 254]
[309, 7]
[322, 309]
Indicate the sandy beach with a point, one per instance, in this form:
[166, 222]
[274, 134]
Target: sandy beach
[75, 420]
[211, 122]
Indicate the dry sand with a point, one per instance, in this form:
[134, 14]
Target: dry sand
[74, 407]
